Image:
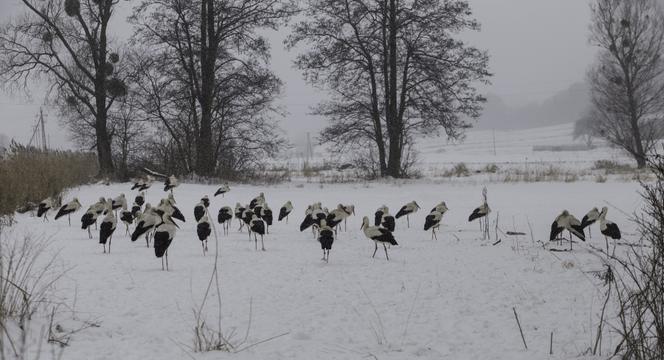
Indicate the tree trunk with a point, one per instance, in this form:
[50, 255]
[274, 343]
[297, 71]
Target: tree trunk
[104, 153]
[393, 128]
[205, 161]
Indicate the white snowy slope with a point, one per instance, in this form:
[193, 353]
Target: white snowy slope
[445, 299]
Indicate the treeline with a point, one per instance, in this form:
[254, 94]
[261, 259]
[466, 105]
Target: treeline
[192, 92]
[29, 175]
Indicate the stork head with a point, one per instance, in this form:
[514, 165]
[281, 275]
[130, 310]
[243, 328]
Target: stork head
[365, 222]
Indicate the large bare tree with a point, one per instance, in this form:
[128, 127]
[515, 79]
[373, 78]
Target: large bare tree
[395, 69]
[627, 82]
[210, 59]
[67, 42]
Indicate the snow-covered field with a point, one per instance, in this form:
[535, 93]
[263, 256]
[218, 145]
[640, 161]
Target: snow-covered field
[445, 299]
[510, 151]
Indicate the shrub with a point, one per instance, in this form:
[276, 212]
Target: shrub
[28, 175]
[458, 170]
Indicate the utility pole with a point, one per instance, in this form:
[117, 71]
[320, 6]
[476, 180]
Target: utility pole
[43, 128]
[494, 142]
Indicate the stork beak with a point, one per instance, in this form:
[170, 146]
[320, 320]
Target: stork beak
[176, 224]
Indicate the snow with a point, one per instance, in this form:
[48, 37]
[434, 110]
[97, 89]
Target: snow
[450, 298]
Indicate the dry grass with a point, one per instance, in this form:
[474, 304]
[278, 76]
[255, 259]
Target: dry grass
[29, 176]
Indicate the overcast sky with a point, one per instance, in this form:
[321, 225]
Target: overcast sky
[537, 48]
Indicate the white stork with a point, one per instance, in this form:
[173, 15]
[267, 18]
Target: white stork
[432, 222]
[257, 226]
[608, 229]
[203, 230]
[68, 209]
[590, 218]
[285, 210]
[224, 218]
[325, 238]
[378, 235]
[223, 189]
[44, 207]
[407, 210]
[567, 221]
[163, 237]
[387, 221]
[145, 222]
[171, 183]
[107, 228]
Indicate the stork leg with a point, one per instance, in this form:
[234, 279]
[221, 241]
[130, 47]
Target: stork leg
[69, 218]
[206, 247]
[126, 229]
[433, 232]
[162, 263]
[255, 242]
[386, 256]
[109, 243]
[408, 221]
[166, 255]
[262, 243]
[375, 249]
[89, 233]
[286, 219]
[203, 246]
[590, 233]
[607, 245]
[147, 240]
[96, 225]
[104, 248]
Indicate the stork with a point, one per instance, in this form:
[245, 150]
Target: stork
[260, 199]
[325, 238]
[378, 215]
[199, 211]
[608, 229]
[203, 230]
[566, 221]
[119, 202]
[107, 228]
[407, 210]
[350, 210]
[590, 218]
[285, 210]
[91, 215]
[257, 226]
[266, 215]
[378, 235]
[146, 184]
[134, 209]
[481, 213]
[163, 237]
[171, 183]
[68, 209]
[247, 216]
[127, 218]
[140, 199]
[387, 221]
[223, 189]
[44, 207]
[334, 218]
[224, 218]
[239, 210]
[432, 222]
[145, 222]
[308, 218]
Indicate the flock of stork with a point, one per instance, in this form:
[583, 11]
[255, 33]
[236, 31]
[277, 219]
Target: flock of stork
[157, 223]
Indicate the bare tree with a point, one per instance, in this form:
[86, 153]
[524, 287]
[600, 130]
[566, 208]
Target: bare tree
[627, 82]
[209, 74]
[395, 70]
[67, 41]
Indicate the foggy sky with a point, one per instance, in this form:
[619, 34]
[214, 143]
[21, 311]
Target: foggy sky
[537, 48]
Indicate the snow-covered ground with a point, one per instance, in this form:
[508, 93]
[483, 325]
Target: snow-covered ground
[445, 299]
